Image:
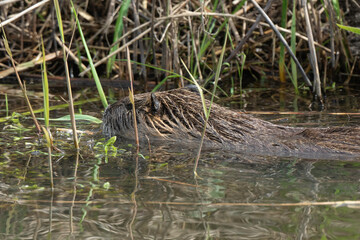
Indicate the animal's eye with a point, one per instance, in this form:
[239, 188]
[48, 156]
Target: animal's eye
[128, 106]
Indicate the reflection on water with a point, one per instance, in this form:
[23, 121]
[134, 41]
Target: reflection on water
[153, 195]
[232, 199]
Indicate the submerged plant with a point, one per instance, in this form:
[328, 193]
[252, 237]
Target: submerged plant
[105, 148]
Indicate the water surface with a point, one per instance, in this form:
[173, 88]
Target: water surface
[153, 194]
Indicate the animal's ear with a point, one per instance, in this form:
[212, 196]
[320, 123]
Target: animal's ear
[154, 102]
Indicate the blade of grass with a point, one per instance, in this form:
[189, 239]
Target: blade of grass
[198, 87]
[6, 105]
[117, 34]
[45, 86]
[48, 138]
[68, 83]
[293, 48]
[78, 117]
[336, 7]
[217, 76]
[93, 70]
[350, 29]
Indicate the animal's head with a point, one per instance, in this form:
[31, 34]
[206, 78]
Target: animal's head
[162, 115]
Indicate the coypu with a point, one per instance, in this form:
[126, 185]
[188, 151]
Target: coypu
[177, 117]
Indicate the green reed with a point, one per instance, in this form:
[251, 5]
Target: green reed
[119, 26]
[293, 48]
[207, 110]
[93, 70]
[6, 105]
[46, 130]
[45, 87]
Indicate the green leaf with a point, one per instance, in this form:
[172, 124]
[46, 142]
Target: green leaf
[106, 185]
[350, 29]
[111, 141]
[93, 70]
[77, 117]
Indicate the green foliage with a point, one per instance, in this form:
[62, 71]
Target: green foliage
[336, 6]
[45, 86]
[106, 185]
[117, 34]
[93, 70]
[78, 117]
[293, 48]
[104, 149]
[208, 110]
[350, 29]
[6, 105]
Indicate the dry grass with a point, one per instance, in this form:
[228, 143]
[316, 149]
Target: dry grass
[160, 33]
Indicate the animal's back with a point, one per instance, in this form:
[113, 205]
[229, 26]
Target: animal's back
[177, 116]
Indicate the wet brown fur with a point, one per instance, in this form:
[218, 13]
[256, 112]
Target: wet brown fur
[177, 117]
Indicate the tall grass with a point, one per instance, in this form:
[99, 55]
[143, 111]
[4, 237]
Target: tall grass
[282, 47]
[119, 26]
[282, 39]
[6, 105]
[207, 110]
[67, 75]
[46, 129]
[293, 48]
[313, 55]
[131, 96]
[93, 70]
[45, 87]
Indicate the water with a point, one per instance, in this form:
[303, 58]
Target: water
[153, 195]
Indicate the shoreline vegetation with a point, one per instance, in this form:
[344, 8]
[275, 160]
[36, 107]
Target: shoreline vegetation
[161, 34]
[221, 46]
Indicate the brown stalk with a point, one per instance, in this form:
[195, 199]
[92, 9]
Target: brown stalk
[27, 65]
[18, 15]
[70, 53]
[143, 33]
[131, 96]
[140, 42]
[23, 88]
[314, 62]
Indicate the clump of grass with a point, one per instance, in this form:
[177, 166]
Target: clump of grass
[161, 33]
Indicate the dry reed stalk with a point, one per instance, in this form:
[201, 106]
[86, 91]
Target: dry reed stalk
[131, 96]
